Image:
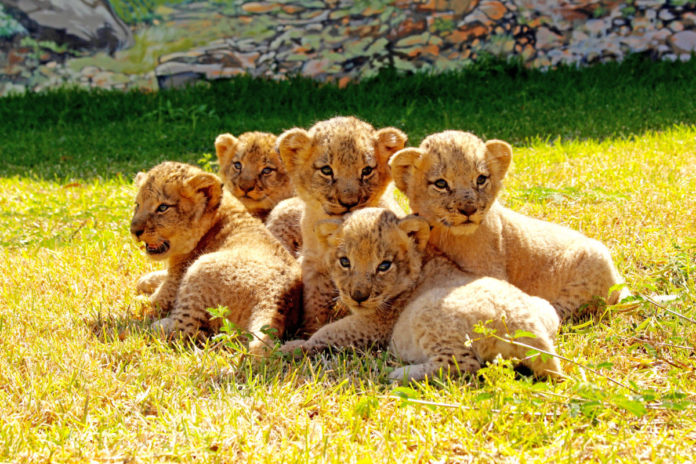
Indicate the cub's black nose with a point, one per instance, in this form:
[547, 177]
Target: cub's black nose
[468, 210]
[348, 206]
[359, 296]
[137, 232]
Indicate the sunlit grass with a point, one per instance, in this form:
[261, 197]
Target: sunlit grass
[609, 151]
[81, 378]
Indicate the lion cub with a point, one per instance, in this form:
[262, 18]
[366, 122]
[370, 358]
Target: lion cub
[252, 170]
[428, 310]
[218, 255]
[453, 180]
[338, 166]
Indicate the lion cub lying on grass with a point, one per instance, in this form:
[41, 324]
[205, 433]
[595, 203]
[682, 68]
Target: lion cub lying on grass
[250, 168]
[427, 310]
[218, 255]
[338, 166]
[453, 180]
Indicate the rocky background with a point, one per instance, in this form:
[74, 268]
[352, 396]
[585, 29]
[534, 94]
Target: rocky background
[150, 44]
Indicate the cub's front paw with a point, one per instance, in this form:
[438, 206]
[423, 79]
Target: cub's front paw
[149, 282]
[164, 327]
[411, 373]
[259, 348]
[294, 347]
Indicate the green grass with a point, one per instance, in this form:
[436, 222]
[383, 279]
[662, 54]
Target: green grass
[82, 379]
[80, 134]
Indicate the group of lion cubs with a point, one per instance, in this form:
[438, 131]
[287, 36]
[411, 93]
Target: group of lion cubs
[342, 262]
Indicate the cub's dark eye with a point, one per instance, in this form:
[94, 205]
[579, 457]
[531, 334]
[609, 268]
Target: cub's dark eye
[367, 171]
[266, 171]
[162, 208]
[237, 165]
[441, 184]
[326, 170]
[384, 266]
[480, 180]
[345, 262]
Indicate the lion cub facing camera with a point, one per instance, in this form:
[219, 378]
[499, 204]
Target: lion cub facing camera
[218, 255]
[252, 170]
[337, 166]
[452, 180]
[426, 311]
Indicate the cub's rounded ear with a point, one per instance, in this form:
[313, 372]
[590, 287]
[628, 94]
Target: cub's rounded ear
[225, 146]
[139, 179]
[206, 183]
[389, 141]
[417, 229]
[499, 155]
[326, 232]
[402, 165]
[293, 146]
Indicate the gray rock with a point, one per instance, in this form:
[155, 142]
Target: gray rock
[80, 24]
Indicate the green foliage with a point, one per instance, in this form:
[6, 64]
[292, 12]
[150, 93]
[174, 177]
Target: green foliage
[8, 25]
[61, 133]
[38, 45]
[140, 11]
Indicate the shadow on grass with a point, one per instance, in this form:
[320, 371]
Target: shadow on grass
[86, 134]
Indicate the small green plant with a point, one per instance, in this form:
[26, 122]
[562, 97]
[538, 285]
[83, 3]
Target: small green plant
[8, 25]
[38, 46]
[208, 163]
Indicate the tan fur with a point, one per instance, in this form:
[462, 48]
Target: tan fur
[149, 282]
[252, 170]
[338, 166]
[217, 253]
[428, 310]
[485, 238]
[368, 239]
[436, 330]
[284, 222]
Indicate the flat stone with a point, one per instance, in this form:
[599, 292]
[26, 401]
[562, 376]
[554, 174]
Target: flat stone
[545, 38]
[683, 42]
[464, 33]
[292, 9]
[493, 9]
[676, 26]
[413, 40]
[80, 24]
[666, 15]
[259, 7]
[312, 68]
[596, 26]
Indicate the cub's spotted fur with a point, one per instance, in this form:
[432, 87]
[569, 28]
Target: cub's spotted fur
[252, 170]
[428, 310]
[453, 180]
[338, 166]
[217, 253]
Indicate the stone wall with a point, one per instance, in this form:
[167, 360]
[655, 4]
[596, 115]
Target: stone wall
[344, 40]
